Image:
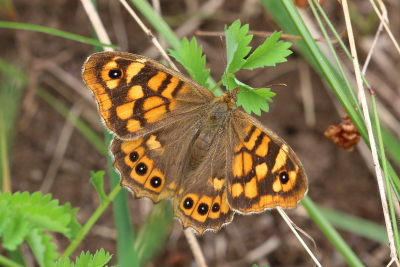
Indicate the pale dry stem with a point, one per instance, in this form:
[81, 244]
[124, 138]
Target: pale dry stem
[290, 224]
[362, 97]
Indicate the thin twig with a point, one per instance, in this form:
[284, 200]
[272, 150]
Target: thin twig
[290, 224]
[149, 34]
[195, 247]
[377, 35]
[264, 35]
[389, 32]
[61, 148]
[97, 24]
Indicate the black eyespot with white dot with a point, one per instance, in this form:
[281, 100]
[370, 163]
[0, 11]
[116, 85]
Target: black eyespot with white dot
[134, 156]
[155, 182]
[202, 209]
[284, 177]
[215, 207]
[115, 73]
[188, 203]
[141, 169]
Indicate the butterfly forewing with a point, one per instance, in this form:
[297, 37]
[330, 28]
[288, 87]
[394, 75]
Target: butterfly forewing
[136, 95]
[263, 172]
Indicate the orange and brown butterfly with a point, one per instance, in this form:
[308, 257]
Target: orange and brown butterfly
[174, 139]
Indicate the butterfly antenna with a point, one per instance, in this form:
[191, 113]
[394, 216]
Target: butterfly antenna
[223, 52]
[268, 86]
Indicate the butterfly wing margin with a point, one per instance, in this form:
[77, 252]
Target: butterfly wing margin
[144, 96]
[263, 172]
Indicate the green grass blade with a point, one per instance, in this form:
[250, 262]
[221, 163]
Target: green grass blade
[154, 232]
[10, 97]
[355, 225]
[321, 221]
[127, 256]
[66, 35]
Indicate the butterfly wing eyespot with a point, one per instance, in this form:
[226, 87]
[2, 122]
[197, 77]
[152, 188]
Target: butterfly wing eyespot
[263, 171]
[115, 73]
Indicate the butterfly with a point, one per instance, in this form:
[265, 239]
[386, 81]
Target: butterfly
[174, 139]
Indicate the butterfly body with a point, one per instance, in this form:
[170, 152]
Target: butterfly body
[174, 139]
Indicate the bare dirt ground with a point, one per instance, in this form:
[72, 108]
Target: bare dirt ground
[337, 179]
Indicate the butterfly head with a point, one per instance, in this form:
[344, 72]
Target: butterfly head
[229, 97]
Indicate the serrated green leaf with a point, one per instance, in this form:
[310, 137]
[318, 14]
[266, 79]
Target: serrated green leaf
[15, 230]
[265, 93]
[100, 258]
[269, 53]
[4, 215]
[250, 100]
[41, 211]
[42, 247]
[192, 58]
[236, 45]
[83, 259]
[63, 262]
[97, 181]
[73, 224]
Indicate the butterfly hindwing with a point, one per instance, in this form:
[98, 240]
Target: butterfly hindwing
[263, 171]
[154, 165]
[201, 201]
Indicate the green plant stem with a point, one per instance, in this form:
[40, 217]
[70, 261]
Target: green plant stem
[8, 263]
[385, 173]
[330, 232]
[92, 220]
[66, 35]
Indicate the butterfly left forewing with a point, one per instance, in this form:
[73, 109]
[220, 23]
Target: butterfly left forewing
[263, 172]
[136, 95]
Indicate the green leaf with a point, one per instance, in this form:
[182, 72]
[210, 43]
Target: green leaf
[63, 262]
[251, 100]
[236, 46]
[97, 181]
[192, 58]
[269, 53]
[99, 259]
[22, 213]
[15, 231]
[42, 247]
[73, 225]
[265, 93]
